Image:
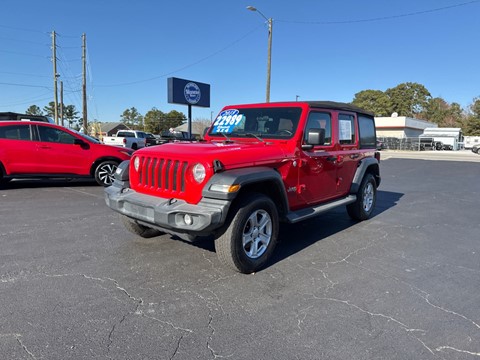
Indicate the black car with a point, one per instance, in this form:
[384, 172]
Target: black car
[8, 116]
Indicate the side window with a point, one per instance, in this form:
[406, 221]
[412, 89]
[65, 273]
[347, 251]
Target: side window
[54, 135]
[346, 129]
[15, 132]
[320, 120]
[367, 133]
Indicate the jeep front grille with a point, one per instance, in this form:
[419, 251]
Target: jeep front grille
[162, 175]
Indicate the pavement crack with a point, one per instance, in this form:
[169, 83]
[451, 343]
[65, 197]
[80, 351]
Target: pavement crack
[177, 347]
[18, 337]
[408, 330]
[442, 348]
[140, 312]
[122, 289]
[138, 301]
[421, 293]
[426, 298]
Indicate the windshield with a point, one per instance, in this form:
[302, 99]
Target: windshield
[267, 123]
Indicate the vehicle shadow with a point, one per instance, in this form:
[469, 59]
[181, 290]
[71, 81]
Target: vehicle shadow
[294, 238]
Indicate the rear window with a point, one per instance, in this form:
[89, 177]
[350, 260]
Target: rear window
[125, 134]
[15, 132]
[368, 135]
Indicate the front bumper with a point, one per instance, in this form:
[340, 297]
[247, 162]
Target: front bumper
[167, 214]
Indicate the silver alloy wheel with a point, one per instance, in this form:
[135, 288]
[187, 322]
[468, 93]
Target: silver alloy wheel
[368, 196]
[106, 173]
[257, 234]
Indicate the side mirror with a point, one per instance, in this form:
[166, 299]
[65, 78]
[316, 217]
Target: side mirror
[315, 136]
[83, 144]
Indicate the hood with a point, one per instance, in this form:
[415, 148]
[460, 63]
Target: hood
[231, 155]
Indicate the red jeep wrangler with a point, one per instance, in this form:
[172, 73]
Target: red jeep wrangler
[259, 164]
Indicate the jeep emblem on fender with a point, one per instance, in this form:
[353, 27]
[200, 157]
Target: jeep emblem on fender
[192, 93]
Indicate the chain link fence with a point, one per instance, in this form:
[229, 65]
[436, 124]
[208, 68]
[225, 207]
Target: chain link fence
[412, 144]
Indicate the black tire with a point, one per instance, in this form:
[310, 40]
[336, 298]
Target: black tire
[105, 171]
[137, 229]
[134, 146]
[3, 180]
[254, 222]
[363, 207]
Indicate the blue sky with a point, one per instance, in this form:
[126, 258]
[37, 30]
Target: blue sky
[322, 50]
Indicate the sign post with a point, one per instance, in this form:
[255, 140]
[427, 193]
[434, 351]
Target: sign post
[187, 92]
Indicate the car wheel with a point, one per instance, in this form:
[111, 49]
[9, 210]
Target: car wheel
[251, 235]
[363, 207]
[137, 229]
[134, 146]
[3, 180]
[105, 171]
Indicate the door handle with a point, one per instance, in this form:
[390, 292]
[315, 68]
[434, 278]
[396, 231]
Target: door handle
[332, 158]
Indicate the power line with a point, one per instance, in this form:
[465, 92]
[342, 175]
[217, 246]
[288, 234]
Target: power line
[24, 41]
[378, 18]
[25, 85]
[29, 101]
[24, 29]
[15, 73]
[23, 54]
[189, 65]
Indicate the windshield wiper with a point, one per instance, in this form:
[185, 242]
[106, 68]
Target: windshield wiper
[255, 136]
[227, 139]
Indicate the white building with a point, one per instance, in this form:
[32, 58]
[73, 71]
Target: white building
[471, 141]
[401, 126]
[447, 136]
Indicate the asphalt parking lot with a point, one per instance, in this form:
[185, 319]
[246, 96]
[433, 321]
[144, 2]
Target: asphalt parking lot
[404, 285]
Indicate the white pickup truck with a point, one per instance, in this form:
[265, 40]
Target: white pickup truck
[133, 139]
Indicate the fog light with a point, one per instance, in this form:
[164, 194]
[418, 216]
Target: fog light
[188, 219]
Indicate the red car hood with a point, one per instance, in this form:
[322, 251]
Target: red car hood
[230, 154]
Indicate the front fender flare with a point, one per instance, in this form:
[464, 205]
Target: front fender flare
[244, 177]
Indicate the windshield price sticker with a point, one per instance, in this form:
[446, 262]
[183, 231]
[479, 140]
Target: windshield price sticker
[226, 121]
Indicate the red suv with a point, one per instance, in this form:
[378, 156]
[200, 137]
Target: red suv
[33, 149]
[260, 164]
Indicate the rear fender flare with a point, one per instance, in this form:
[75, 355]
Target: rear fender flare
[366, 165]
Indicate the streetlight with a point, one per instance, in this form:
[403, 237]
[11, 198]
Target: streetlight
[269, 59]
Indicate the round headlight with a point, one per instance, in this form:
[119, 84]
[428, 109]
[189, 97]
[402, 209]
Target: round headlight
[136, 163]
[199, 172]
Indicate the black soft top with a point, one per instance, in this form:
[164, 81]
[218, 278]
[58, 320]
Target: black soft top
[338, 106]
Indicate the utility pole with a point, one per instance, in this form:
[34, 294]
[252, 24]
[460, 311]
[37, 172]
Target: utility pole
[84, 85]
[269, 57]
[61, 102]
[55, 75]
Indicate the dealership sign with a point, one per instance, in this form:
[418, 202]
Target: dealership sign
[187, 92]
